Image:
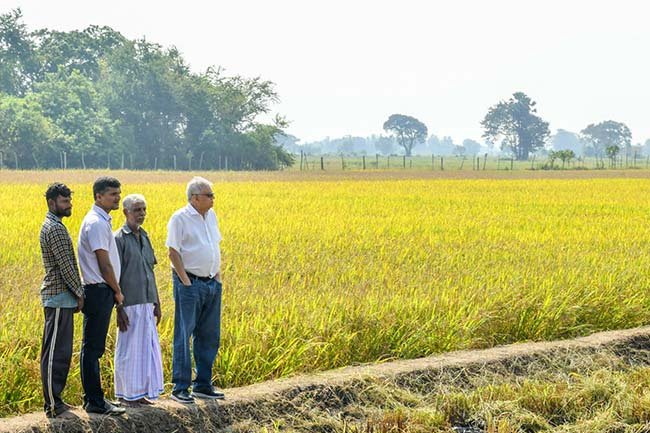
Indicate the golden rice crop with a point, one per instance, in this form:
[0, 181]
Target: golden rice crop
[321, 274]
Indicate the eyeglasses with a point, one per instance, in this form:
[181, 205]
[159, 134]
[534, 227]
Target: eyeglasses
[209, 195]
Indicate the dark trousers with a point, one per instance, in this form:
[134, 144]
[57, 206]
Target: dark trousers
[197, 319]
[56, 354]
[97, 316]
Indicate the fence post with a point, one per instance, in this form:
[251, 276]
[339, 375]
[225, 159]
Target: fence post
[322, 164]
[155, 163]
[377, 159]
[65, 160]
[108, 160]
[442, 166]
[512, 163]
[342, 163]
[131, 161]
[433, 161]
[16, 156]
[364, 161]
[174, 162]
[226, 162]
[83, 160]
[201, 161]
[484, 161]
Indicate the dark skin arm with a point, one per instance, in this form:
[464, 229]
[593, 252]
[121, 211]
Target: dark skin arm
[108, 274]
[157, 312]
[80, 305]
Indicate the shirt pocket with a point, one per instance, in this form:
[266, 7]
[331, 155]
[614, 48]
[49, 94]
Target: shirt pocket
[149, 257]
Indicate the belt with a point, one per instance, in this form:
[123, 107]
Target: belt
[97, 285]
[196, 277]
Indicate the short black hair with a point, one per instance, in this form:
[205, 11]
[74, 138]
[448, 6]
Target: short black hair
[103, 183]
[57, 189]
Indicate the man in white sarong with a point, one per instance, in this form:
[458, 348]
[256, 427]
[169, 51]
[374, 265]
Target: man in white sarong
[138, 361]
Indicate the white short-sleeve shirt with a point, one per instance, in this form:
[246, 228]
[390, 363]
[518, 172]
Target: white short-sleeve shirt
[96, 233]
[196, 238]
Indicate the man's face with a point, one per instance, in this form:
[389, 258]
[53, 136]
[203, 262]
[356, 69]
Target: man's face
[135, 216]
[61, 206]
[109, 199]
[204, 200]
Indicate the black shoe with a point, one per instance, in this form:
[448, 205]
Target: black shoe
[210, 393]
[182, 396]
[58, 410]
[107, 409]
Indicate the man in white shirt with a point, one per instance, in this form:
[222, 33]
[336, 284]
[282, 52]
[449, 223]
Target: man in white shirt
[193, 240]
[99, 262]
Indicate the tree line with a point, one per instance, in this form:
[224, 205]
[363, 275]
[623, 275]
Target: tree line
[512, 125]
[93, 97]
[515, 125]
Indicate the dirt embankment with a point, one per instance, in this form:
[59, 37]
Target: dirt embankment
[300, 402]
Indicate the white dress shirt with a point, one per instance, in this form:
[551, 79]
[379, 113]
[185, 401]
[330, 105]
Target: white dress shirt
[96, 233]
[196, 238]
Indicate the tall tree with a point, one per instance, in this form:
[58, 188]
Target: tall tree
[24, 131]
[72, 103]
[76, 50]
[408, 131]
[18, 62]
[515, 122]
[606, 134]
[472, 147]
[566, 140]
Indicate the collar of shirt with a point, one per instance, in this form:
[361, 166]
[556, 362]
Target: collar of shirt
[192, 211]
[50, 215]
[127, 230]
[101, 212]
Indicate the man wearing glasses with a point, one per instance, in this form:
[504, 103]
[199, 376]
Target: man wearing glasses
[193, 240]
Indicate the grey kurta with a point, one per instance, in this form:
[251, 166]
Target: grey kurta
[137, 258]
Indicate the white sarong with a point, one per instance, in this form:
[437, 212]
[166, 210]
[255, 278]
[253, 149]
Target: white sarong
[138, 362]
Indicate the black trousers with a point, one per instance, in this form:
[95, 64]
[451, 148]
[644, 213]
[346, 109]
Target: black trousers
[97, 311]
[56, 354]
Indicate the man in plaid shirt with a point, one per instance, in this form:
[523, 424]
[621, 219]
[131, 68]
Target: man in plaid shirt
[61, 296]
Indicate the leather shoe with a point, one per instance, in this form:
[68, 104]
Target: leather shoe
[208, 393]
[107, 409]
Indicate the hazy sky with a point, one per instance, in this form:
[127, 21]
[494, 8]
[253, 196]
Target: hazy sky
[342, 67]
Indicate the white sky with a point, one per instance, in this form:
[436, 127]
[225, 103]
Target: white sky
[342, 67]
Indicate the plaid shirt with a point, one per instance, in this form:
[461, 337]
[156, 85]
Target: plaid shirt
[61, 272]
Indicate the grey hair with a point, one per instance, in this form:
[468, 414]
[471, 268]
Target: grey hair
[131, 199]
[196, 185]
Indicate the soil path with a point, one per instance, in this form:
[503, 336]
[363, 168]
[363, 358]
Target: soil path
[263, 401]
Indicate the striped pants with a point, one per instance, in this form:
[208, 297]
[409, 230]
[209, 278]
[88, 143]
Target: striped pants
[56, 354]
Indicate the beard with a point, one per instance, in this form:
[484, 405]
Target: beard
[63, 212]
